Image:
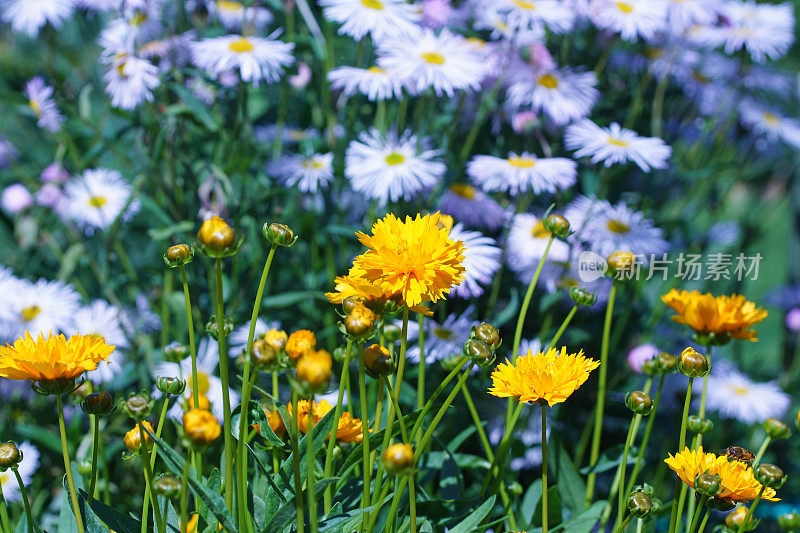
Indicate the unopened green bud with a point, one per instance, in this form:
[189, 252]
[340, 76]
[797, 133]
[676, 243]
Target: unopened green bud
[179, 255]
[693, 364]
[557, 225]
[98, 403]
[279, 234]
[488, 334]
[699, 425]
[10, 455]
[583, 297]
[171, 386]
[707, 484]
[138, 406]
[515, 488]
[378, 360]
[479, 352]
[639, 402]
[176, 352]
[212, 327]
[666, 362]
[770, 475]
[776, 429]
[350, 303]
[168, 486]
[639, 504]
[789, 521]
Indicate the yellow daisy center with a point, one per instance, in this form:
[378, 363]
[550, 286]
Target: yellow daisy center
[228, 5]
[616, 226]
[539, 232]
[30, 312]
[98, 201]
[741, 390]
[618, 142]
[624, 7]
[653, 53]
[121, 69]
[434, 58]
[524, 4]
[376, 69]
[138, 18]
[311, 164]
[548, 81]
[241, 46]
[394, 159]
[372, 4]
[35, 106]
[770, 118]
[522, 162]
[464, 190]
[202, 383]
[443, 333]
[3, 478]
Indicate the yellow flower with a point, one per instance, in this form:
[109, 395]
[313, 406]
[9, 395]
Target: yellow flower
[202, 400]
[551, 377]
[53, 358]
[353, 284]
[216, 235]
[723, 316]
[349, 429]
[415, 259]
[191, 524]
[275, 422]
[737, 480]
[133, 439]
[300, 343]
[201, 426]
[276, 338]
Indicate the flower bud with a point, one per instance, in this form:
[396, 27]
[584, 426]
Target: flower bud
[138, 406]
[693, 364]
[621, 262]
[391, 332]
[515, 488]
[699, 425]
[133, 438]
[85, 467]
[202, 401]
[176, 352]
[212, 327]
[488, 334]
[650, 367]
[276, 338]
[776, 429]
[639, 504]
[557, 225]
[10, 456]
[479, 352]
[278, 234]
[583, 297]
[98, 403]
[707, 484]
[735, 519]
[350, 303]
[720, 504]
[314, 369]
[666, 362]
[359, 321]
[217, 239]
[54, 387]
[171, 386]
[179, 255]
[770, 475]
[378, 360]
[201, 427]
[398, 458]
[789, 521]
[300, 343]
[263, 355]
[647, 488]
[639, 402]
[167, 486]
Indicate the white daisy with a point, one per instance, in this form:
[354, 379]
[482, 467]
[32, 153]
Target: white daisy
[238, 337]
[15, 198]
[446, 62]
[683, 14]
[441, 340]
[769, 123]
[308, 174]
[97, 198]
[521, 173]
[256, 58]
[733, 395]
[29, 17]
[608, 228]
[100, 318]
[560, 94]
[766, 30]
[536, 15]
[525, 245]
[208, 384]
[390, 168]
[130, 81]
[40, 98]
[630, 18]
[615, 144]
[472, 206]
[382, 19]
[26, 469]
[481, 261]
[374, 82]
[39, 307]
[233, 15]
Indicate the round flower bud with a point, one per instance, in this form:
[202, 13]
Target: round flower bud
[262, 354]
[85, 467]
[666, 362]
[707, 484]
[488, 334]
[179, 255]
[314, 369]
[620, 262]
[479, 352]
[789, 521]
[300, 343]
[650, 367]
[776, 429]
[557, 225]
[201, 427]
[639, 402]
[98, 403]
[176, 352]
[10, 456]
[276, 338]
[398, 458]
[770, 475]
[735, 519]
[133, 438]
[515, 488]
[699, 425]
[350, 303]
[639, 504]
[359, 321]
[692, 363]
[171, 386]
[278, 234]
[167, 486]
[378, 360]
[53, 387]
[647, 488]
[391, 332]
[202, 400]
[138, 406]
[212, 327]
[217, 239]
[583, 297]
[720, 504]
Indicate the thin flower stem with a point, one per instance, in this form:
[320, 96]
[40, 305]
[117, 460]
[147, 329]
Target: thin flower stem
[544, 469]
[298, 483]
[184, 495]
[705, 520]
[421, 365]
[701, 410]
[601, 394]
[476, 419]
[502, 450]
[68, 466]
[25, 500]
[403, 431]
[674, 520]
[95, 449]
[563, 327]
[362, 393]
[639, 524]
[624, 524]
[761, 450]
[4, 520]
[198, 457]
[658, 106]
[337, 414]
[526, 302]
[751, 510]
[150, 480]
[696, 516]
[646, 439]
[401, 363]
[429, 404]
[226, 400]
[412, 503]
[310, 471]
[622, 466]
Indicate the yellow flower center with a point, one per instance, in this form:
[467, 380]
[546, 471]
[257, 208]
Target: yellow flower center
[395, 159]
[202, 383]
[443, 333]
[539, 232]
[770, 118]
[524, 5]
[372, 4]
[548, 81]
[138, 18]
[3, 478]
[434, 58]
[699, 76]
[653, 53]
[522, 162]
[741, 390]
[241, 46]
[98, 201]
[30, 312]
[35, 106]
[376, 69]
[624, 7]
[121, 69]
[464, 190]
[311, 164]
[618, 142]
[228, 5]
[616, 226]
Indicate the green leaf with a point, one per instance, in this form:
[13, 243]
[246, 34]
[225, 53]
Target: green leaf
[571, 487]
[288, 299]
[553, 508]
[255, 416]
[510, 310]
[471, 522]
[530, 501]
[99, 518]
[41, 436]
[165, 233]
[584, 522]
[611, 458]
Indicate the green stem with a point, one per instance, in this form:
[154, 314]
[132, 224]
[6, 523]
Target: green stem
[601, 394]
[544, 468]
[696, 517]
[362, 393]
[95, 450]
[403, 431]
[68, 466]
[25, 500]
[421, 365]
[701, 410]
[149, 479]
[310, 471]
[226, 400]
[337, 414]
[761, 450]
[658, 106]
[412, 503]
[646, 439]
[563, 327]
[674, 517]
[751, 510]
[184, 496]
[502, 450]
[705, 520]
[6, 522]
[622, 465]
[193, 352]
[523, 311]
[476, 419]
[429, 404]
[624, 524]
[298, 483]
